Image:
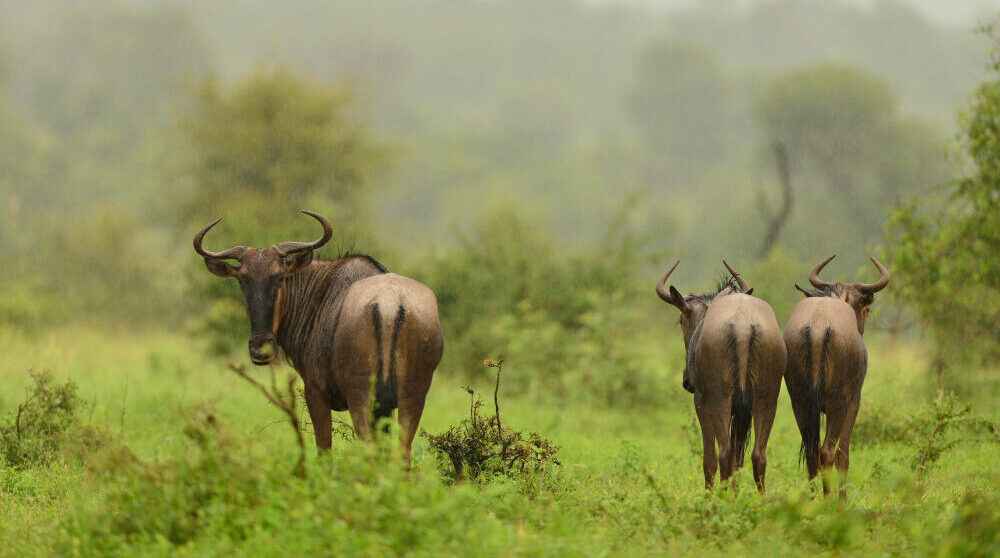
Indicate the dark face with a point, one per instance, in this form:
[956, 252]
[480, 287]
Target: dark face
[261, 274]
[859, 301]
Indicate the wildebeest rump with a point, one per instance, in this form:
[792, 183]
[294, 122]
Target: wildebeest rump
[827, 363]
[349, 327]
[735, 360]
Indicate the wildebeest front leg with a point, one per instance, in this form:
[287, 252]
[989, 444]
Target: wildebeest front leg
[319, 413]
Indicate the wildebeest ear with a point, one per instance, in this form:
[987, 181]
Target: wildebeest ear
[297, 260]
[749, 291]
[219, 267]
[678, 299]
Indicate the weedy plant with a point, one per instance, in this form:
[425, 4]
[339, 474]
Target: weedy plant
[285, 400]
[940, 427]
[481, 447]
[45, 424]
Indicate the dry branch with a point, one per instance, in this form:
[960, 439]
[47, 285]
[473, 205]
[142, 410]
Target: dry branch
[777, 221]
[286, 402]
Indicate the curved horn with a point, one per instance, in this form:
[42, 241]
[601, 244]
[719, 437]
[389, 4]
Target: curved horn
[668, 294]
[232, 253]
[286, 248]
[803, 291]
[883, 280]
[739, 280]
[814, 276]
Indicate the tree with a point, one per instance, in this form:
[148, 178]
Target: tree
[682, 106]
[261, 150]
[943, 248]
[844, 130]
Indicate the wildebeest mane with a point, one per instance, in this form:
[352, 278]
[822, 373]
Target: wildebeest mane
[834, 291]
[725, 282]
[312, 305]
[347, 253]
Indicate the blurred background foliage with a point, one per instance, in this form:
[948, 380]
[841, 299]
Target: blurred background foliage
[538, 181]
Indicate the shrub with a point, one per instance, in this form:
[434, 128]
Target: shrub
[229, 495]
[576, 324]
[932, 429]
[942, 247]
[261, 150]
[480, 448]
[45, 424]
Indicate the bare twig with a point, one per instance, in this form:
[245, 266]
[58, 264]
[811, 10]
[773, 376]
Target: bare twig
[498, 364]
[504, 443]
[472, 405]
[283, 401]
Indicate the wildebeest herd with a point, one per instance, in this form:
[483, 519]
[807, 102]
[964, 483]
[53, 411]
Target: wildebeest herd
[368, 341]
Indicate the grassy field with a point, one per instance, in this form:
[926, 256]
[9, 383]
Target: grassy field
[191, 461]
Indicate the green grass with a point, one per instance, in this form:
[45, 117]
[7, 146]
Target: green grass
[629, 481]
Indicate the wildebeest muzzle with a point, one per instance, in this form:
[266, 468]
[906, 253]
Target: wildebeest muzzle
[263, 348]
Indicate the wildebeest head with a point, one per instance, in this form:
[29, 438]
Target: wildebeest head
[261, 273]
[859, 296]
[693, 307]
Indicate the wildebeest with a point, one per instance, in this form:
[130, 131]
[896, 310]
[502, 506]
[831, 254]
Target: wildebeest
[735, 359]
[349, 327]
[827, 363]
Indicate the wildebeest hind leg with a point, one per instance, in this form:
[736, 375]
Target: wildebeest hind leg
[411, 408]
[835, 416]
[842, 457]
[710, 461]
[764, 408]
[359, 405]
[720, 416]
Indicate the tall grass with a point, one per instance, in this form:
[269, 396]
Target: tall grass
[207, 472]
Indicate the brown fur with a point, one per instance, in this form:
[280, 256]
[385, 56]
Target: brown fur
[735, 361]
[362, 339]
[827, 364]
[331, 336]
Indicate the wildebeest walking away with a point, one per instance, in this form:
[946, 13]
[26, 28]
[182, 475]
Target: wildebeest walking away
[349, 327]
[827, 363]
[735, 359]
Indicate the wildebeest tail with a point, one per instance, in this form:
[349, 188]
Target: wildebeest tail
[815, 367]
[742, 398]
[385, 371]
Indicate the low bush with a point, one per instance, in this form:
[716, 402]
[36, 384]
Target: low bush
[932, 429]
[45, 425]
[480, 448]
[576, 324]
[231, 495]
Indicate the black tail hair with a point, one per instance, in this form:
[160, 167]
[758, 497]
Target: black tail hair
[816, 384]
[385, 383]
[742, 402]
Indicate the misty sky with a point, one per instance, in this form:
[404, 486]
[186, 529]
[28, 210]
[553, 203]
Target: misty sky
[954, 12]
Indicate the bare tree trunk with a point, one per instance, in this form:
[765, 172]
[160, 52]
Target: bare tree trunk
[777, 222]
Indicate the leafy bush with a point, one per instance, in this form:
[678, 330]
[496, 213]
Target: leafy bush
[942, 247]
[261, 150]
[974, 529]
[480, 447]
[229, 494]
[576, 324]
[931, 429]
[45, 424]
